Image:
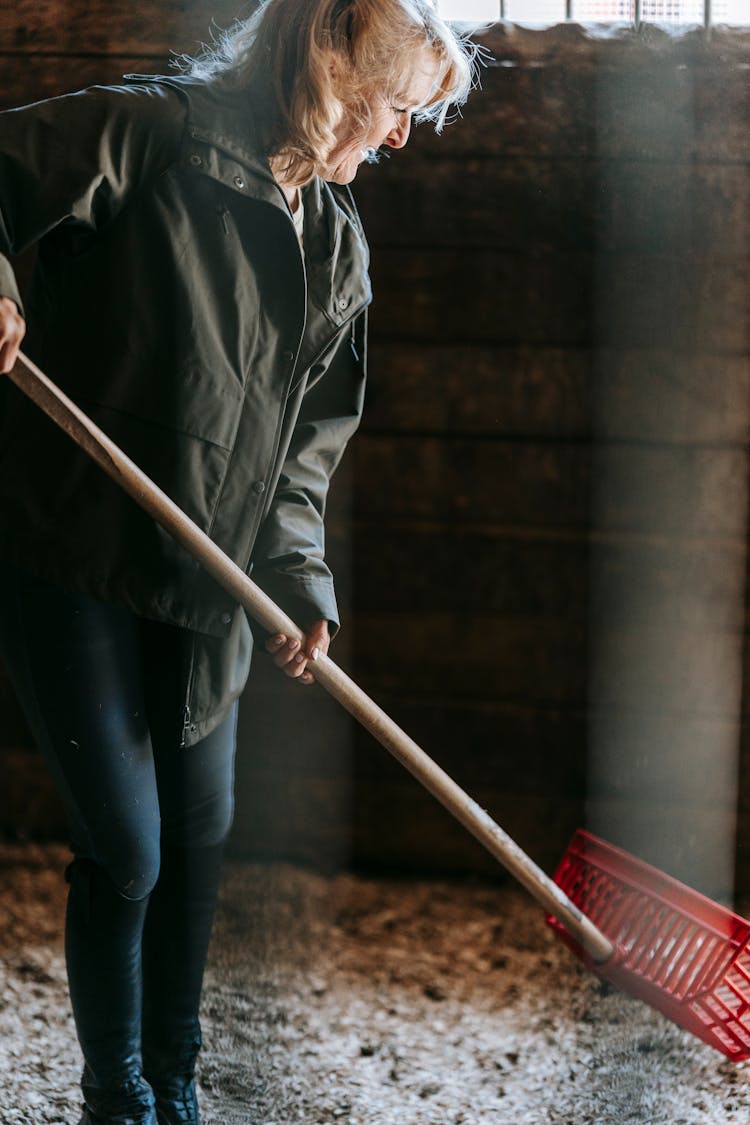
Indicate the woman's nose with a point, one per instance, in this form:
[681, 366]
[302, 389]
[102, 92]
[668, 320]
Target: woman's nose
[399, 135]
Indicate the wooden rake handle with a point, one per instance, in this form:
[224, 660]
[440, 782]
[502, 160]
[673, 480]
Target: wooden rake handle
[35, 384]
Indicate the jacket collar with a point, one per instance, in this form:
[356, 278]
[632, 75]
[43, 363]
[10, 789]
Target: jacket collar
[221, 132]
[223, 120]
[335, 248]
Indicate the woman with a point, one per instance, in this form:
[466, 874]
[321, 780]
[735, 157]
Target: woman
[200, 288]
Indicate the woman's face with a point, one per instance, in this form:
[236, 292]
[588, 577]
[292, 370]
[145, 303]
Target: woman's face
[390, 125]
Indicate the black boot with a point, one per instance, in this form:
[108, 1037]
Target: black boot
[178, 1109]
[175, 945]
[171, 1075]
[130, 1103]
[103, 951]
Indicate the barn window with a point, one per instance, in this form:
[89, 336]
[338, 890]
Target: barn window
[707, 12]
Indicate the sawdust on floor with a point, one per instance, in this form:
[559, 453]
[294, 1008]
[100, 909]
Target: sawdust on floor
[340, 1000]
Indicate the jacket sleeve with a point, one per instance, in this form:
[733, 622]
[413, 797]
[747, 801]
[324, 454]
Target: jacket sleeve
[74, 160]
[288, 558]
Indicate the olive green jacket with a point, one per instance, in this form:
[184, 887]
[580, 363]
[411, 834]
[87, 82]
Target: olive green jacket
[172, 301]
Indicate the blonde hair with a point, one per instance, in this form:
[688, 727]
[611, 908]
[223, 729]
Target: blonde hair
[282, 55]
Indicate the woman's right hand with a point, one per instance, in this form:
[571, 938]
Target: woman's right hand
[12, 332]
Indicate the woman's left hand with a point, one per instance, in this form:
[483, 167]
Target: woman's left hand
[292, 657]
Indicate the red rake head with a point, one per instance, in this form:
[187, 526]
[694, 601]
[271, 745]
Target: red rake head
[677, 950]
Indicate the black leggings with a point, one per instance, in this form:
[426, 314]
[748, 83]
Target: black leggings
[103, 692]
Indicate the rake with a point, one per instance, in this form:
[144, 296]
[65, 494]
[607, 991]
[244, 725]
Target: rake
[631, 924]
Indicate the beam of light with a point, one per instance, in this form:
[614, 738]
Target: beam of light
[669, 506]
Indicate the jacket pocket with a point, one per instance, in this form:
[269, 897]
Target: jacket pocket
[191, 401]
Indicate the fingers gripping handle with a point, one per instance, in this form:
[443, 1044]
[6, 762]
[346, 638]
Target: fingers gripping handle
[29, 379]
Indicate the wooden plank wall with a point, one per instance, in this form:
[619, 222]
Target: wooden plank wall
[560, 325]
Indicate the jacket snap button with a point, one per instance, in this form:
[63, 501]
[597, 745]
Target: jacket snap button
[259, 487]
[343, 303]
[226, 619]
[288, 357]
[195, 160]
[239, 182]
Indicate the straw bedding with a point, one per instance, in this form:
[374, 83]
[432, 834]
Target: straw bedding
[349, 1001]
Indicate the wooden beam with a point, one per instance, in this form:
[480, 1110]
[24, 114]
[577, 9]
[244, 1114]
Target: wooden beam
[118, 27]
[566, 393]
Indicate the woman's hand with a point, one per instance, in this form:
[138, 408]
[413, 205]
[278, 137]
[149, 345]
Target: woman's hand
[12, 331]
[292, 657]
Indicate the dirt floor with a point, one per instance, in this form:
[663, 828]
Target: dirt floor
[349, 1001]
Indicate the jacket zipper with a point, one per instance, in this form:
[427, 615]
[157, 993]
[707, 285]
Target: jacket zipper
[185, 726]
[187, 716]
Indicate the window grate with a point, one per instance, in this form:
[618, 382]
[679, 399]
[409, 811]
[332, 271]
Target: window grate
[706, 12]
